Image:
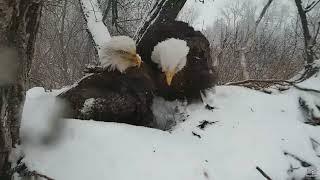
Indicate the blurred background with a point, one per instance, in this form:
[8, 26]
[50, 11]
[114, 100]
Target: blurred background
[64, 47]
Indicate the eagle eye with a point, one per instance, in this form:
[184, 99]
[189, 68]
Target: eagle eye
[122, 52]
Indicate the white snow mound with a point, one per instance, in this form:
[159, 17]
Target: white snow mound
[247, 130]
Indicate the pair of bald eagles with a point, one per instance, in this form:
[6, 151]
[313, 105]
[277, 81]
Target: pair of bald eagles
[173, 63]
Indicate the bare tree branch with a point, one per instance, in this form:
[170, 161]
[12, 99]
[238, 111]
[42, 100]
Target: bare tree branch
[263, 173]
[311, 6]
[250, 41]
[314, 41]
[263, 12]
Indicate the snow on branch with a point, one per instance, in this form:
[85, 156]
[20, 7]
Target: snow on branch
[92, 13]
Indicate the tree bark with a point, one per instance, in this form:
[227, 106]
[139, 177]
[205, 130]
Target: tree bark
[19, 21]
[163, 10]
[62, 42]
[306, 33]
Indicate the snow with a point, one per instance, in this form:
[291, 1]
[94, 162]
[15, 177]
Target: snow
[41, 117]
[96, 27]
[245, 130]
[167, 113]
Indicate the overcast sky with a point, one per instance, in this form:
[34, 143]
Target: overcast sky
[212, 8]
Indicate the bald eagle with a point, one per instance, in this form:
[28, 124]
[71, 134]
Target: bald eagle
[180, 58]
[121, 92]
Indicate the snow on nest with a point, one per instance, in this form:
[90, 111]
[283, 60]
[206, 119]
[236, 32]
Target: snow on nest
[247, 129]
[170, 54]
[41, 116]
[167, 113]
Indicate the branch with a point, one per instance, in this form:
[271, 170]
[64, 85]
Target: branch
[306, 89]
[263, 12]
[273, 81]
[314, 41]
[263, 173]
[311, 6]
[306, 33]
[23, 171]
[163, 10]
[302, 162]
[36, 174]
[258, 81]
[93, 16]
[250, 41]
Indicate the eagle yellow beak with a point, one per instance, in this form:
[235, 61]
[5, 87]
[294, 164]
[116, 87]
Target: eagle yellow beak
[169, 77]
[138, 60]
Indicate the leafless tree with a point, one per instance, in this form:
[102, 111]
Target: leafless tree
[63, 46]
[124, 17]
[276, 43]
[306, 32]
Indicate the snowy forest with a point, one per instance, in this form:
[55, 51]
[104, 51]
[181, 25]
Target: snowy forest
[160, 89]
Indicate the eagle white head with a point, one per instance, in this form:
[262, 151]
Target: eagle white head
[119, 53]
[171, 56]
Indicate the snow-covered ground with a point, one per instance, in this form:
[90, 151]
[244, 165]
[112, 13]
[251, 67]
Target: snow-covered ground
[247, 130]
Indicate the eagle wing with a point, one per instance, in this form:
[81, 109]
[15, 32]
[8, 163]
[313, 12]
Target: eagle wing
[111, 96]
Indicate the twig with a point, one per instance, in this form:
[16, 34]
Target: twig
[306, 89]
[302, 162]
[203, 124]
[316, 35]
[23, 171]
[273, 81]
[197, 135]
[311, 6]
[94, 11]
[35, 173]
[263, 173]
[259, 81]
[314, 143]
[264, 10]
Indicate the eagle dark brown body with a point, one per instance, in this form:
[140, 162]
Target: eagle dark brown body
[117, 97]
[197, 75]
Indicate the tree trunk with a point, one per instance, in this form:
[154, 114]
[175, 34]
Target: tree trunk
[62, 42]
[306, 32]
[163, 10]
[19, 22]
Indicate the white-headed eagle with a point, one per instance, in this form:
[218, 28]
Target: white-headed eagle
[121, 92]
[180, 58]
